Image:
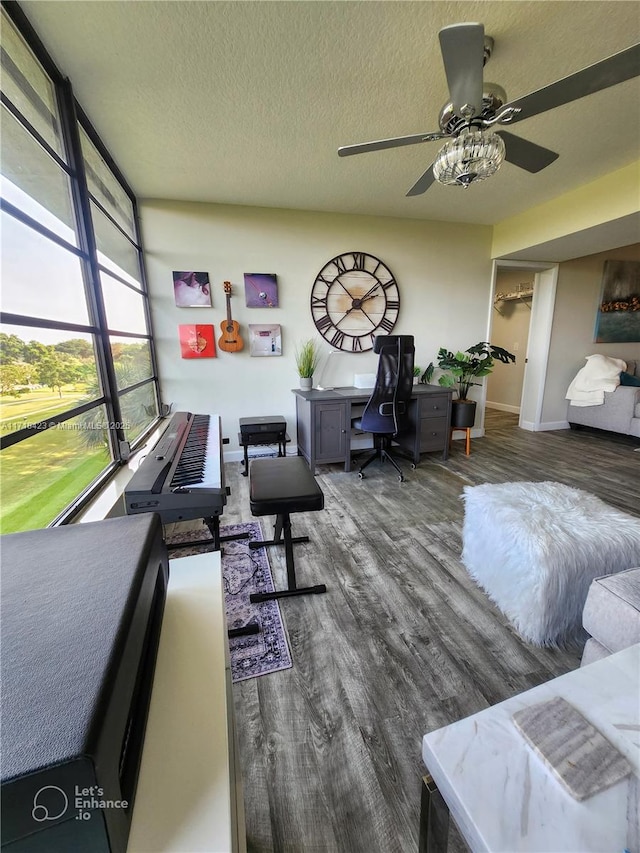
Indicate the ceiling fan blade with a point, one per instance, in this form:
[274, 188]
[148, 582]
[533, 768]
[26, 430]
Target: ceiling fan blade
[462, 48]
[608, 72]
[396, 142]
[423, 183]
[527, 155]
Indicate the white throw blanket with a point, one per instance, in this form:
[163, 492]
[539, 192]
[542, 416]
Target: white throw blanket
[599, 374]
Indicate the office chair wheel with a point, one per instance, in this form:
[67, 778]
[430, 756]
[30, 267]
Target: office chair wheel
[361, 475]
[401, 478]
[413, 466]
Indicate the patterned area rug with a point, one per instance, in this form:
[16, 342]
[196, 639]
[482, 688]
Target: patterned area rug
[245, 571]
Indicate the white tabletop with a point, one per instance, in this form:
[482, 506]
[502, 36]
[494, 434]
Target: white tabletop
[183, 801]
[502, 796]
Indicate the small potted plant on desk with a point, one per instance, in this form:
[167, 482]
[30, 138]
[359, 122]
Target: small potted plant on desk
[307, 359]
[461, 369]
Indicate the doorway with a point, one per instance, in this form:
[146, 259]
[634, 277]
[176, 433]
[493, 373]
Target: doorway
[523, 299]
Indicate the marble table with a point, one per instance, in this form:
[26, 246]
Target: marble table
[503, 797]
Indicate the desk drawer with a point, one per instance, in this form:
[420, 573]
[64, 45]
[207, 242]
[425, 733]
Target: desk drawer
[434, 406]
[433, 433]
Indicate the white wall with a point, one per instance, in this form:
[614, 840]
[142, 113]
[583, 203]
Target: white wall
[510, 330]
[443, 272]
[577, 300]
[605, 200]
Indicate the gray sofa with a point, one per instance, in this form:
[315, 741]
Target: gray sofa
[611, 614]
[620, 411]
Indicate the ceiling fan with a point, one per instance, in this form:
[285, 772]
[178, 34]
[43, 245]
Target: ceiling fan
[474, 151]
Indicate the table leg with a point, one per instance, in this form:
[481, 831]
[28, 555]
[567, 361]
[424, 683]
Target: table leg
[434, 819]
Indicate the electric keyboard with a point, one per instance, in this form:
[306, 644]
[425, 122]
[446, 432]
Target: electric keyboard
[182, 477]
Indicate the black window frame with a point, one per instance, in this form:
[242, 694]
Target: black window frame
[72, 116]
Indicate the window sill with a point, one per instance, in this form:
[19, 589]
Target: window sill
[106, 503]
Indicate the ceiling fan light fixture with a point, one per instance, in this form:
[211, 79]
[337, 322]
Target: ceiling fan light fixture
[471, 156]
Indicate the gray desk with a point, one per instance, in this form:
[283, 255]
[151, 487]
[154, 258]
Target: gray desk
[323, 420]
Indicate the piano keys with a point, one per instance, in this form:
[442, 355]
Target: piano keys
[182, 477]
[200, 465]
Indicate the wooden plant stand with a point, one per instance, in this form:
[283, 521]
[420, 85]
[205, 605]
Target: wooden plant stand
[467, 448]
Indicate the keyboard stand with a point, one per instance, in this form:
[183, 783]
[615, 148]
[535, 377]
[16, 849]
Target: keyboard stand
[213, 523]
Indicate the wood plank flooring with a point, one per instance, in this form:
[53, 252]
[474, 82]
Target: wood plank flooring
[402, 643]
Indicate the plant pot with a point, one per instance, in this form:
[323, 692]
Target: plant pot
[306, 383]
[463, 414]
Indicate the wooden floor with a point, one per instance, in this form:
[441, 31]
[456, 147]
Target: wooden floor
[402, 643]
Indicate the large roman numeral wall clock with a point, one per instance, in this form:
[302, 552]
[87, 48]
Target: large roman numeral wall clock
[354, 298]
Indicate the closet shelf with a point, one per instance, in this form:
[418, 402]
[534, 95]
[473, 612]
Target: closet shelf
[522, 295]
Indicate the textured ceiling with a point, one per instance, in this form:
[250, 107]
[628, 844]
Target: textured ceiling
[247, 102]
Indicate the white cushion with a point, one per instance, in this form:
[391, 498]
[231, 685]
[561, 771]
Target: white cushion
[612, 610]
[593, 651]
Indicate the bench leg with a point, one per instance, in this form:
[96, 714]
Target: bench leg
[283, 525]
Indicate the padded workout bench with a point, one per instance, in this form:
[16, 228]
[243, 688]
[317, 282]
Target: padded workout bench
[279, 487]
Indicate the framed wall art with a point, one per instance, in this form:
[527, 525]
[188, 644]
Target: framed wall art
[197, 341]
[192, 289]
[618, 316]
[265, 340]
[261, 290]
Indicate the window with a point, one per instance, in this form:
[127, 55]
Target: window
[78, 378]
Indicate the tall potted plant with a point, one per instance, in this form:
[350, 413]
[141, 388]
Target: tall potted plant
[461, 369]
[307, 359]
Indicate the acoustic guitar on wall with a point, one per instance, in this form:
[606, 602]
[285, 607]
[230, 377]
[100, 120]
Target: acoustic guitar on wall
[230, 340]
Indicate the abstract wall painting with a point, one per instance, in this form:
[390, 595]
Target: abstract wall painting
[261, 290]
[192, 289]
[265, 340]
[618, 316]
[197, 341]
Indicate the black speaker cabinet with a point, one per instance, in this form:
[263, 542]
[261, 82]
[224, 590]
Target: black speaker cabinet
[81, 614]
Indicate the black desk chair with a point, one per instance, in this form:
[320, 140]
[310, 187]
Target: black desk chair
[387, 411]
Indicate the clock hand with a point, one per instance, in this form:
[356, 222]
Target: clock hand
[337, 322]
[371, 289]
[346, 314]
[362, 298]
[358, 305]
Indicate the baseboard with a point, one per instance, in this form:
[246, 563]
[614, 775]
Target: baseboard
[257, 451]
[460, 434]
[548, 425]
[503, 407]
[545, 426]
[364, 442]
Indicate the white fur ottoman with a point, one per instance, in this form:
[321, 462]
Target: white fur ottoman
[535, 548]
